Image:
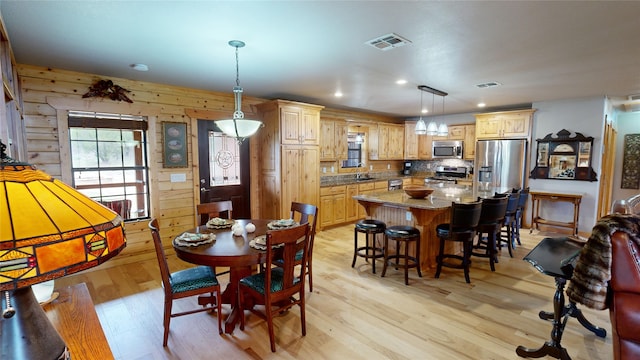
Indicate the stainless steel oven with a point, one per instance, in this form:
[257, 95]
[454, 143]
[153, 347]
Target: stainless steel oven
[395, 184]
[447, 149]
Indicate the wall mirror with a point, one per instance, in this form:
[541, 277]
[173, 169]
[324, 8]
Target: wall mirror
[564, 157]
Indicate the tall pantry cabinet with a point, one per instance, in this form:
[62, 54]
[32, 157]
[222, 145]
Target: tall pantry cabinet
[289, 156]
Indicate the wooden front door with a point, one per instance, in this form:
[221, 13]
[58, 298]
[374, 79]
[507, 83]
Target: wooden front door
[224, 169]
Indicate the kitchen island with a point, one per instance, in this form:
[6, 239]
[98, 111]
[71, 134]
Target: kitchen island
[397, 208]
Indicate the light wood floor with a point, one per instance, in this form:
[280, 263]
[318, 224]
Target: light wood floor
[352, 313]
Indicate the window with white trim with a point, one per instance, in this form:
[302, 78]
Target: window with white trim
[109, 161]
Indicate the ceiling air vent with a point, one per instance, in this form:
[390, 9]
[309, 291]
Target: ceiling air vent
[388, 42]
[488, 85]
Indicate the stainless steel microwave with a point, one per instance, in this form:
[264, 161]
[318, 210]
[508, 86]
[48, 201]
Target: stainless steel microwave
[447, 150]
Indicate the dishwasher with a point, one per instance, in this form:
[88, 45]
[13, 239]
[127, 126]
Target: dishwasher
[395, 184]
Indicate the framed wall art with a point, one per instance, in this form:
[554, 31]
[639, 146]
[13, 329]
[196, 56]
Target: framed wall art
[564, 157]
[631, 162]
[174, 145]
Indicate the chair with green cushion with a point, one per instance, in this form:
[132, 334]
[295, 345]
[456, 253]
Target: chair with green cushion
[306, 214]
[281, 285]
[199, 280]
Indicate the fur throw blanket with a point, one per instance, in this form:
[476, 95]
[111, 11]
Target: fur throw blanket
[588, 285]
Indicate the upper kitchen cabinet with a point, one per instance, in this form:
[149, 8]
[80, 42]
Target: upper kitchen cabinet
[12, 131]
[300, 123]
[416, 147]
[288, 171]
[333, 140]
[410, 141]
[455, 132]
[469, 151]
[504, 124]
[388, 140]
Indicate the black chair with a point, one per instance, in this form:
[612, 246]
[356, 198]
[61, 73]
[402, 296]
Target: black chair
[507, 233]
[370, 250]
[402, 235]
[522, 204]
[491, 219]
[461, 228]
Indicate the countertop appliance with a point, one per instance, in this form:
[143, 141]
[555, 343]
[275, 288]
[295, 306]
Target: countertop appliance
[406, 169]
[447, 149]
[395, 184]
[500, 163]
[446, 175]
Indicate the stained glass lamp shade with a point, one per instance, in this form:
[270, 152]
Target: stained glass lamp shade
[47, 230]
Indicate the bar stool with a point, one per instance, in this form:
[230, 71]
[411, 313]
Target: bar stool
[402, 235]
[369, 250]
[492, 215]
[508, 231]
[522, 203]
[461, 228]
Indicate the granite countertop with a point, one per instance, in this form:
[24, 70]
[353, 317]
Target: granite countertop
[441, 198]
[337, 181]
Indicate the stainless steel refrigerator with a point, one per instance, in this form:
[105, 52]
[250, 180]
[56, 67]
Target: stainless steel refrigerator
[500, 163]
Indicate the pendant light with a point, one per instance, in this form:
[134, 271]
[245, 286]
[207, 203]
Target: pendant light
[421, 127]
[443, 130]
[432, 128]
[238, 127]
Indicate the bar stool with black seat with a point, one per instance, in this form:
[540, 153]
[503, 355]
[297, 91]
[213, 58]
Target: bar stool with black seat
[370, 250]
[402, 235]
[507, 233]
[522, 203]
[461, 228]
[492, 215]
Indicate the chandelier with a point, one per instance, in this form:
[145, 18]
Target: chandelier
[238, 127]
[433, 128]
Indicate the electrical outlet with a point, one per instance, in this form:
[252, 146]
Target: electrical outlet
[388, 166]
[408, 215]
[332, 169]
[370, 167]
[324, 170]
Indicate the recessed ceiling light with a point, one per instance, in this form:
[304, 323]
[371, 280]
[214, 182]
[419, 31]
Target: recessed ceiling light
[424, 111]
[139, 67]
[481, 105]
[401, 82]
[337, 94]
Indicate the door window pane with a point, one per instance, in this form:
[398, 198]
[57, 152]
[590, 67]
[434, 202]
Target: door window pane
[224, 160]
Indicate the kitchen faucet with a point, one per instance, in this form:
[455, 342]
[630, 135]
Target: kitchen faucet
[359, 170]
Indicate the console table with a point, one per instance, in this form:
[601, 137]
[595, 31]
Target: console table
[536, 200]
[75, 318]
[555, 257]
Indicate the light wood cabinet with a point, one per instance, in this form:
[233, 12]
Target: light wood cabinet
[12, 126]
[469, 150]
[287, 172]
[410, 141]
[425, 147]
[300, 124]
[333, 140]
[504, 125]
[456, 132]
[366, 188]
[351, 204]
[389, 141]
[332, 205]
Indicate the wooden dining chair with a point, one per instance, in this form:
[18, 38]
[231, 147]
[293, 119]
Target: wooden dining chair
[280, 283]
[197, 280]
[214, 209]
[306, 214]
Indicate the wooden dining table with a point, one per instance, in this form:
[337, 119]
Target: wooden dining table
[230, 251]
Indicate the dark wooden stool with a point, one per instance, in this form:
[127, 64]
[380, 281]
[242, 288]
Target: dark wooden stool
[369, 250]
[402, 234]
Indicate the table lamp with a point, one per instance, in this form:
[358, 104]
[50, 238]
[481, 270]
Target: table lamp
[47, 230]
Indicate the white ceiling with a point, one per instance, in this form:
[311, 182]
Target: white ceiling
[306, 50]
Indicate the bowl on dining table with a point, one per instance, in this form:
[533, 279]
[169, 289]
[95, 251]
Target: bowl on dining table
[418, 192]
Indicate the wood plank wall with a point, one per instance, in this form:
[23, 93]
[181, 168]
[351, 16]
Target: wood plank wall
[172, 203]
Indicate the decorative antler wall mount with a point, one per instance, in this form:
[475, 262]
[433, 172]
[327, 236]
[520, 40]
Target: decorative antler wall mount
[106, 88]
